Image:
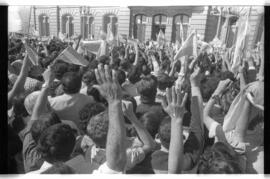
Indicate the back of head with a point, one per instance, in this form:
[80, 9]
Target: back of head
[56, 143]
[59, 168]
[164, 81]
[151, 122]
[147, 87]
[121, 76]
[164, 132]
[42, 123]
[71, 82]
[88, 112]
[97, 129]
[219, 159]
[105, 60]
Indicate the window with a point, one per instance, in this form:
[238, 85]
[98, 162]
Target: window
[67, 25]
[139, 27]
[44, 29]
[110, 22]
[159, 23]
[180, 28]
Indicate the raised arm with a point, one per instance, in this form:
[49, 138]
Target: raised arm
[42, 101]
[111, 90]
[176, 109]
[148, 141]
[208, 121]
[19, 84]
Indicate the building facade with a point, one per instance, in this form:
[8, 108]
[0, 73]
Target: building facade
[145, 22]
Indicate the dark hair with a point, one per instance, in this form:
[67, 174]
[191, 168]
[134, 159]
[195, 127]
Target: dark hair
[121, 76]
[97, 128]
[56, 143]
[59, 168]
[147, 87]
[104, 59]
[42, 123]
[91, 91]
[208, 86]
[88, 112]
[89, 77]
[19, 113]
[164, 81]
[135, 74]
[164, 132]
[71, 82]
[59, 69]
[151, 122]
[219, 159]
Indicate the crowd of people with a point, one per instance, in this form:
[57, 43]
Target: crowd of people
[136, 108]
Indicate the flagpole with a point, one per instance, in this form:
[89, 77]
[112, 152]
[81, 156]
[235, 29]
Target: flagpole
[29, 19]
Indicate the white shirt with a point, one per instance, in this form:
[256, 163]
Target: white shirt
[45, 166]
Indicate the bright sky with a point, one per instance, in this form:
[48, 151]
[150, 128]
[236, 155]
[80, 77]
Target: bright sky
[14, 20]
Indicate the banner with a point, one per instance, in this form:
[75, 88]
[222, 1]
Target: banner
[189, 47]
[91, 46]
[70, 55]
[241, 42]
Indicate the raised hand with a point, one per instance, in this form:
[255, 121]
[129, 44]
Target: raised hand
[222, 86]
[195, 76]
[176, 104]
[108, 86]
[48, 76]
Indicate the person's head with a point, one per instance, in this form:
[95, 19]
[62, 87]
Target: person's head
[59, 69]
[164, 81]
[56, 143]
[121, 76]
[42, 123]
[208, 86]
[151, 122]
[134, 75]
[88, 112]
[97, 128]
[59, 168]
[89, 77]
[164, 132]
[105, 60]
[18, 106]
[91, 91]
[71, 82]
[147, 87]
[219, 159]
[30, 101]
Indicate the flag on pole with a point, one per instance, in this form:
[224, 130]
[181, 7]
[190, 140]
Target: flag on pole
[241, 42]
[70, 55]
[189, 47]
[161, 38]
[181, 32]
[61, 36]
[32, 54]
[92, 46]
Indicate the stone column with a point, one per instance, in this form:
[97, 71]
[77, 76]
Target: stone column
[44, 25]
[67, 26]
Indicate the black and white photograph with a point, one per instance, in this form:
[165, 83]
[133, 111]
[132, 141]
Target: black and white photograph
[135, 89]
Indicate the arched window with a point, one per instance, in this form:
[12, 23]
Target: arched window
[159, 23]
[110, 22]
[180, 27]
[139, 27]
[44, 29]
[87, 26]
[67, 25]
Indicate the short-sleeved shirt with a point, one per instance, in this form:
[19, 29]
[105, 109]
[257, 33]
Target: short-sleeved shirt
[31, 157]
[68, 106]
